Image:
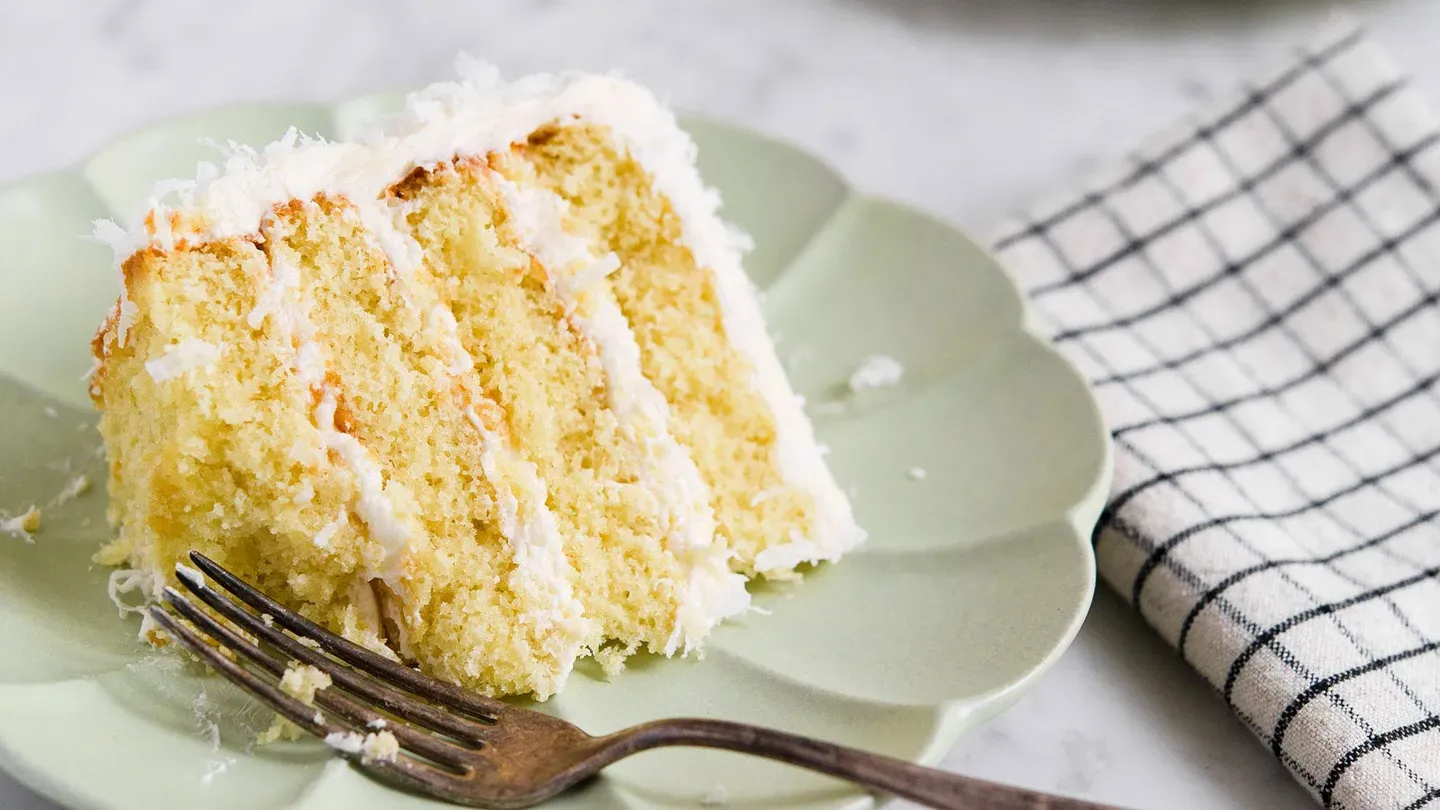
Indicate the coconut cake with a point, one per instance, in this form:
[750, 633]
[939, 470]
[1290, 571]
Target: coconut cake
[485, 389]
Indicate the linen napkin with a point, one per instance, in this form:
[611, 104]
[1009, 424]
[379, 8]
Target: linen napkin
[1253, 296]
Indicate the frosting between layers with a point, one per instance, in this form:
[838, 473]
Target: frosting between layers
[373, 506]
[279, 300]
[182, 357]
[655, 140]
[542, 572]
[713, 593]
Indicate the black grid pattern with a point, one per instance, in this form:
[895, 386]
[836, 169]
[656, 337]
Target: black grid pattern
[1254, 298]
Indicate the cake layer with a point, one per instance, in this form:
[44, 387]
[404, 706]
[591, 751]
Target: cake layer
[192, 399]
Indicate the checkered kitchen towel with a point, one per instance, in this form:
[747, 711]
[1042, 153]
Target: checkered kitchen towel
[1254, 298]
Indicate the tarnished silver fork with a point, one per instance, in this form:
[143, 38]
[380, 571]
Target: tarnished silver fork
[470, 750]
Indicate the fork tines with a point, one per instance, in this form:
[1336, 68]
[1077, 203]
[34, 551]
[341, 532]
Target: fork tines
[370, 681]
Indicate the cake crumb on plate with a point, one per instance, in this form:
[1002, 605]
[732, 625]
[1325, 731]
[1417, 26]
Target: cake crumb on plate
[302, 681]
[380, 746]
[280, 730]
[22, 525]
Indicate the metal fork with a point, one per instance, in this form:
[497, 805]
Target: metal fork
[474, 751]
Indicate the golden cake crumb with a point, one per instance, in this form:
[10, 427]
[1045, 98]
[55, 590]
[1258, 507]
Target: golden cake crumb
[279, 730]
[302, 681]
[612, 659]
[23, 524]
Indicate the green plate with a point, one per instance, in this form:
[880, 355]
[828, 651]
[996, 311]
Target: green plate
[973, 581]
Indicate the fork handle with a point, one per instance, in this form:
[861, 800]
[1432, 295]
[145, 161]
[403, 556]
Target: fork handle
[888, 775]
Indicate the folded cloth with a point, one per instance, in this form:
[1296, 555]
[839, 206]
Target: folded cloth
[1253, 297]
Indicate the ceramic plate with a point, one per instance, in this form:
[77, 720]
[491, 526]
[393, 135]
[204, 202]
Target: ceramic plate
[974, 579]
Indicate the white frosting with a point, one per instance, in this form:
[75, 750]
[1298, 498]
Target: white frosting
[876, 371]
[799, 550]
[539, 218]
[712, 592]
[460, 360]
[472, 117]
[280, 300]
[592, 273]
[378, 746]
[309, 364]
[372, 506]
[190, 575]
[386, 225]
[123, 244]
[184, 356]
[542, 575]
[348, 742]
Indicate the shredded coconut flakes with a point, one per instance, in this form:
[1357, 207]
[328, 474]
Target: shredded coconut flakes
[378, 746]
[182, 357]
[78, 486]
[190, 575]
[877, 371]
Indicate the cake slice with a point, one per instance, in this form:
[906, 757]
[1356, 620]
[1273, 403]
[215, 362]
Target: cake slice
[632, 187]
[486, 391]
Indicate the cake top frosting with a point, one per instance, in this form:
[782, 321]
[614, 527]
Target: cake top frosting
[474, 115]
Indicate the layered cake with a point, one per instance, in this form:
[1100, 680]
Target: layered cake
[486, 390]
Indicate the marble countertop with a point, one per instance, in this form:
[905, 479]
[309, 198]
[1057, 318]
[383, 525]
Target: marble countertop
[963, 107]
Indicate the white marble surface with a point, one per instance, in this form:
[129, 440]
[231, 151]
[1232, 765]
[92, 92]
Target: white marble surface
[964, 107]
